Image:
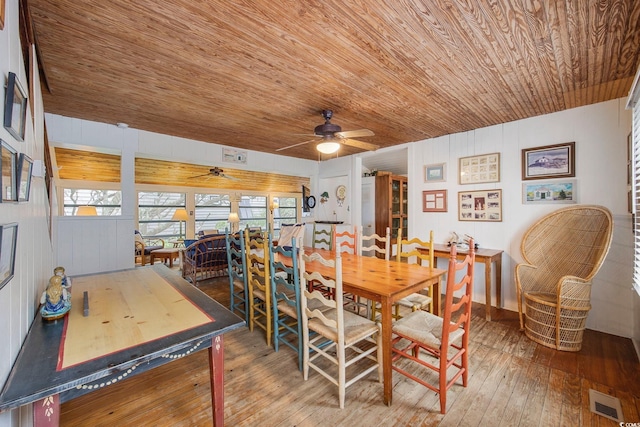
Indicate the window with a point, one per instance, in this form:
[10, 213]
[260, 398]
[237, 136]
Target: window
[634, 103]
[106, 202]
[285, 213]
[155, 213]
[212, 212]
[252, 211]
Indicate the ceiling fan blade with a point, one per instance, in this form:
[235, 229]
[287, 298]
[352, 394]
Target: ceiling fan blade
[200, 176]
[360, 144]
[295, 145]
[355, 133]
[229, 177]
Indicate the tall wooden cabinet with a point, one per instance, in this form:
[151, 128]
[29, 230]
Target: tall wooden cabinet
[391, 205]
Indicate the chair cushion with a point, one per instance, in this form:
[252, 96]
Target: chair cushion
[425, 328]
[289, 232]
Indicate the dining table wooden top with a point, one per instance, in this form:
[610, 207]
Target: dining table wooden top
[382, 281]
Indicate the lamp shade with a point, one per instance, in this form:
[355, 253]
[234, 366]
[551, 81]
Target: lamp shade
[180, 215]
[328, 147]
[86, 211]
[233, 218]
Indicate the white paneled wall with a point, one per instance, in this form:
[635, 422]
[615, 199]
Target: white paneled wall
[34, 253]
[599, 132]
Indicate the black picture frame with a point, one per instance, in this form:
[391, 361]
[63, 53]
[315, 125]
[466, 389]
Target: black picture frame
[23, 182]
[15, 107]
[8, 240]
[8, 172]
[305, 199]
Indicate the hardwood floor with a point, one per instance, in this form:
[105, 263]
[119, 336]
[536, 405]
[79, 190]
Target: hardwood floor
[513, 382]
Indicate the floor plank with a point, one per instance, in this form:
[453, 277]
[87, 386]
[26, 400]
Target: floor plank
[512, 382]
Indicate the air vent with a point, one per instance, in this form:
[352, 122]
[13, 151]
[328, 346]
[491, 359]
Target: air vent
[605, 405]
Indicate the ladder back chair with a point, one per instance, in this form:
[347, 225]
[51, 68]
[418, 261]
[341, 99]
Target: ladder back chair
[444, 338]
[237, 271]
[259, 284]
[375, 245]
[285, 296]
[562, 252]
[322, 237]
[406, 252]
[348, 242]
[342, 338]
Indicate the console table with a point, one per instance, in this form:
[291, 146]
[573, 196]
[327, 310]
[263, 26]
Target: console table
[137, 320]
[486, 256]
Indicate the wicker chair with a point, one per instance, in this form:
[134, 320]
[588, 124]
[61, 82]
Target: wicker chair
[563, 251]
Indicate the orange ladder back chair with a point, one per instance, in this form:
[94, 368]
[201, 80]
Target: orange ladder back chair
[445, 338]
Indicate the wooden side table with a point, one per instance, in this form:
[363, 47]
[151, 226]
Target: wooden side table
[486, 256]
[165, 254]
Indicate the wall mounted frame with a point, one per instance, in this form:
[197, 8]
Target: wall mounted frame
[435, 172]
[434, 201]
[23, 182]
[2, 4]
[481, 205]
[15, 107]
[8, 239]
[478, 169]
[549, 161]
[8, 172]
[550, 192]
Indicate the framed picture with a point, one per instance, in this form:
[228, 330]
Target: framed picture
[2, 2]
[8, 172]
[482, 205]
[305, 199]
[15, 108]
[8, 239]
[549, 192]
[549, 161]
[434, 173]
[434, 201]
[477, 169]
[23, 183]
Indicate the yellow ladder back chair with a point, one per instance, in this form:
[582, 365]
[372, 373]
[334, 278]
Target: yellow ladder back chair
[258, 283]
[406, 252]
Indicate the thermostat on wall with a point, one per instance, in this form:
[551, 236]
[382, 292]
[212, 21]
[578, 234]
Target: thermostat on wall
[230, 155]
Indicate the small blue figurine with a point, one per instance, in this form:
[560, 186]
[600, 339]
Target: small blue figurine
[55, 300]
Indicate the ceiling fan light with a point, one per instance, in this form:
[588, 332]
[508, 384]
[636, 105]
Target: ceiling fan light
[328, 147]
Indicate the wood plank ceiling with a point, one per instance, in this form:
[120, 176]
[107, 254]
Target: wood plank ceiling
[80, 165]
[256, 74]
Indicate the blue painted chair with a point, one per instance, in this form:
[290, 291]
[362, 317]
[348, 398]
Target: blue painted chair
[285, 298]
[237, 269]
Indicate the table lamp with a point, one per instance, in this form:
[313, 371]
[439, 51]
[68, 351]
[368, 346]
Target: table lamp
[180, 215]
[86, 211]
[234, 220]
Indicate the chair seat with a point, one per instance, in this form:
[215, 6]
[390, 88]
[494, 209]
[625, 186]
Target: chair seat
[425, 328]
[415, 300]
[355, 327]
[238, 284]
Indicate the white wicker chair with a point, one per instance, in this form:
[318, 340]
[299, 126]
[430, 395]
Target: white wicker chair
[563, 251]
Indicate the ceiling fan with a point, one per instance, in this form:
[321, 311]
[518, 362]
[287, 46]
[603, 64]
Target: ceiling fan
[215, 172]
[332, 136]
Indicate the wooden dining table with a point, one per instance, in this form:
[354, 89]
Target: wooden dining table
[384, 282]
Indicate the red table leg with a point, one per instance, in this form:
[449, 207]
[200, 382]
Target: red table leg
[216, 369]
[46, 412]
